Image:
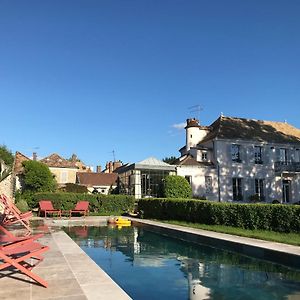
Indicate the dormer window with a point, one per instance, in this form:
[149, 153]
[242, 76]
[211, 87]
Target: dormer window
[204, 156]
[235, 153]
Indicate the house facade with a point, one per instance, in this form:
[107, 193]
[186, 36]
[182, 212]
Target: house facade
[63, 170]
[236, 159]
[101, 183]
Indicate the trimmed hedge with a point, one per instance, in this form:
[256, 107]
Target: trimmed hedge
[280, 217]
[100, 204]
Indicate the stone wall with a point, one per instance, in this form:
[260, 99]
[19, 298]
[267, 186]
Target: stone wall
[6, 186]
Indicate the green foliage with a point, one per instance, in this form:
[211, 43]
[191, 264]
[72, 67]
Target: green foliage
[256, 198]
[75, 188]
[99, 204]
[281, 218]
[7, 156]
[37, 177]
[170, 160]
[176, 187]
[22, 205]
[26, 196]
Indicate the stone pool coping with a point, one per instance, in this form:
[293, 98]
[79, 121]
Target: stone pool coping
[287, 255]
[280, 253]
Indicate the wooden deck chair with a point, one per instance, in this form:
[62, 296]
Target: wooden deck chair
[7, 202]
[13, 215]
[17, 255]
[7, 236]
[82, 207]
[47, 207]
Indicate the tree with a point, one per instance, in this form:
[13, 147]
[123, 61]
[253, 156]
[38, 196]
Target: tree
[37, 177]
[6, 162]
[170, 160]
[177, 187]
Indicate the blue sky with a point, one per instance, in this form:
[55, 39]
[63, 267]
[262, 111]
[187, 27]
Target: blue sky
[89, 77]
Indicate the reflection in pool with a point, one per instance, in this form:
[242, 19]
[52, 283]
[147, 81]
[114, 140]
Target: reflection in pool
[148, 265]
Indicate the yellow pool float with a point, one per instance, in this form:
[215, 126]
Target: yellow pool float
[119, 221]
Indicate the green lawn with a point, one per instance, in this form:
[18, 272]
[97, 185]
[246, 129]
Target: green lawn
[286, 238]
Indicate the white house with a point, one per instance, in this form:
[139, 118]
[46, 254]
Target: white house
[236, 159]
[101, 183]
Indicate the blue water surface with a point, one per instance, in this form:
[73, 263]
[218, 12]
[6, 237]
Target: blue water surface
[148, 265]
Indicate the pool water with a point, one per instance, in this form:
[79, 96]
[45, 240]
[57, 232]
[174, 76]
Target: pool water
[148, 265]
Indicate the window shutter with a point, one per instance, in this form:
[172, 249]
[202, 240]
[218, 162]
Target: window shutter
[265, 155]
[251, 158]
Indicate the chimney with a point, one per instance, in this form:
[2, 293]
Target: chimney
[74, 158]
[116, 164]
[34, 156]
[98, 169]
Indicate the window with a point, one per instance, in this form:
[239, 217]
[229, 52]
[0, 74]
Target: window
[259, 189]
[258, 155]
[64, 177]
[208, 184]
[189, 179]
[235, 153]
[283, 155]
[297, 155]
[204, 155]
[237, 192]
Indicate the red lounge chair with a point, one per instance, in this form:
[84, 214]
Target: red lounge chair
[13, 215]
[81, 207]
[47, 207]
[7, 236]
[16, 255]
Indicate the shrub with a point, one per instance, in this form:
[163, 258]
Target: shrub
[99, 204]
[282, 218]
[256, 198]
[37, 177]
[75, 188]
[22, 205]
[176, 187]
[276, 202]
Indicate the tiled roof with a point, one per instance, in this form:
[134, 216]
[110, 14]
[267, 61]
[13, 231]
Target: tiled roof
[54, 160]
[97, 179]
[19, 159]
[189, 160]
[250, 129]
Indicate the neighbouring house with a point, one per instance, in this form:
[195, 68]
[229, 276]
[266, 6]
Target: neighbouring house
[98, 182]
[144, 178]
[237, 159]
[63, 169]
[18, 170]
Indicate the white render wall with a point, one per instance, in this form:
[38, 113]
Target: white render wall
[248, 170]
[198, 174]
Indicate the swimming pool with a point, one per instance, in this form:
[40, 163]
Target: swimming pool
[148, 265]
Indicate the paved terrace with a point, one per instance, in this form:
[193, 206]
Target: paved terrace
[71, 274]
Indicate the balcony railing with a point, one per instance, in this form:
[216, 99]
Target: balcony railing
[287, 166]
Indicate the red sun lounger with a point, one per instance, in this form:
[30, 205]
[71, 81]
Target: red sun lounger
[47, 207]
[17, 255]
[81, 207]
[13, 215]
[7, 236]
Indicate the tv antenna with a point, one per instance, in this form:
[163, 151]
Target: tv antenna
[114, 156]
[196, 109]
